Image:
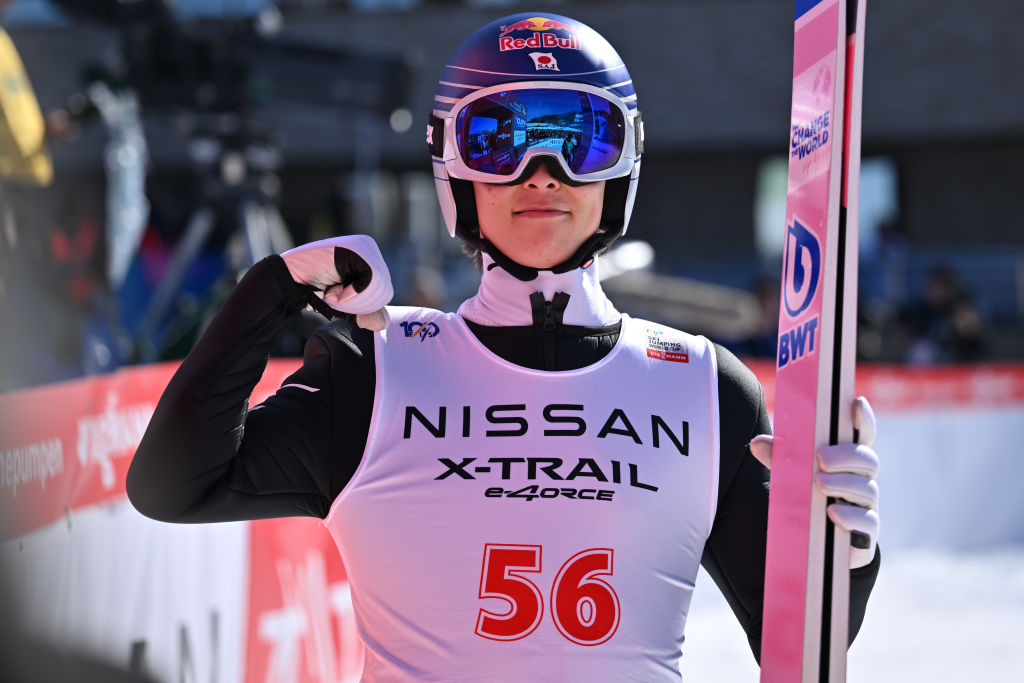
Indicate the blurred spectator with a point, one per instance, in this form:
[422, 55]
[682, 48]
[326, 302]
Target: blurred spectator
[52, 296]
[23, 128]
[25, 169]
[24, 160]
[944, 327]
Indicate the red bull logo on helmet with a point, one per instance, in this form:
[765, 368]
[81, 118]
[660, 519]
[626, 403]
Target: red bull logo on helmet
[541, 37]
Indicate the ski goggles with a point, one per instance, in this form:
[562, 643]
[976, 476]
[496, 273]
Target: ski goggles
[491, 135]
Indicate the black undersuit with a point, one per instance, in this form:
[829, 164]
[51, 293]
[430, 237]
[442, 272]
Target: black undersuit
[206, 458]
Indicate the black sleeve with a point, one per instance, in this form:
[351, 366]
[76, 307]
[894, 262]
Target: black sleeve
[734, 555]
[205, 457]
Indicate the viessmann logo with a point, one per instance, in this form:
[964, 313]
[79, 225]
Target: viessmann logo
[543, 35]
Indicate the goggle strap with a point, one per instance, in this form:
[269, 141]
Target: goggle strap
[435, 135]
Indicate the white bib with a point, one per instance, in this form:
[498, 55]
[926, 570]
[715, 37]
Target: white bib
[516, 524]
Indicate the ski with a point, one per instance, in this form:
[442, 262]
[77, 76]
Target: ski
[806, 608]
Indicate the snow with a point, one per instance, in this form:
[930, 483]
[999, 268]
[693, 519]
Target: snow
[934, 616]
[949, 601]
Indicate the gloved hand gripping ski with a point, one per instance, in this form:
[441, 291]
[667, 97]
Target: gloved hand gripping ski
[846, 472]
[351, 274]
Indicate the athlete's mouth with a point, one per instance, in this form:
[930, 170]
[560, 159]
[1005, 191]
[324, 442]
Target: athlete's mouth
[540, 212]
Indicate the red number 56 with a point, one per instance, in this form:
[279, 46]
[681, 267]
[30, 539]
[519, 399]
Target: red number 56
[585, 609]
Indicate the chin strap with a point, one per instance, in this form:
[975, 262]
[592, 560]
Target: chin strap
[584, 256]
[516, 270]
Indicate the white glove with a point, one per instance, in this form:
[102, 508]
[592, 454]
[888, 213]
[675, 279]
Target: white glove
[846, 472]
[350, 272]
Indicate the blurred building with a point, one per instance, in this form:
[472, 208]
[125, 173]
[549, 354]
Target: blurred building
[943, 135]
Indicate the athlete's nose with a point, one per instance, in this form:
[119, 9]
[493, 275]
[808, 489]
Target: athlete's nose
[542, 178]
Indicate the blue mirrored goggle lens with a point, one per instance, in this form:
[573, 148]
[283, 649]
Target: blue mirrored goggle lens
[495, 132]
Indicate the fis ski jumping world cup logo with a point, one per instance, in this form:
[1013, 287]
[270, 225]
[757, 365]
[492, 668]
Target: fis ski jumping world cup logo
[801, 275]
[662, 348]
[543, 35]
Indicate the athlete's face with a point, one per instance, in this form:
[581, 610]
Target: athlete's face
[540, 222]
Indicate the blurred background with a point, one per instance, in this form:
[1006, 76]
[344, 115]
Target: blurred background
[151, 151]
[188, 139]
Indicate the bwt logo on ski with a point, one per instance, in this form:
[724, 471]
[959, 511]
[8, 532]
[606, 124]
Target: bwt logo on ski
[539, 39]
[797, 342]
[801, 274]
[801, 268]
[421, 330]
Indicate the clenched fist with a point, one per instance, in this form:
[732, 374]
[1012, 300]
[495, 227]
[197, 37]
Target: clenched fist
[351, 274]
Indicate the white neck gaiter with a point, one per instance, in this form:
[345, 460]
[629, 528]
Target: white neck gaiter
[504, 300]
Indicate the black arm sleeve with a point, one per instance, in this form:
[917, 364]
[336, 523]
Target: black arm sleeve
[734, 555]
[206, 458]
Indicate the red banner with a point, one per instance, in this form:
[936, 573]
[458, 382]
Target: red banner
[301, 623]
[67, 446]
